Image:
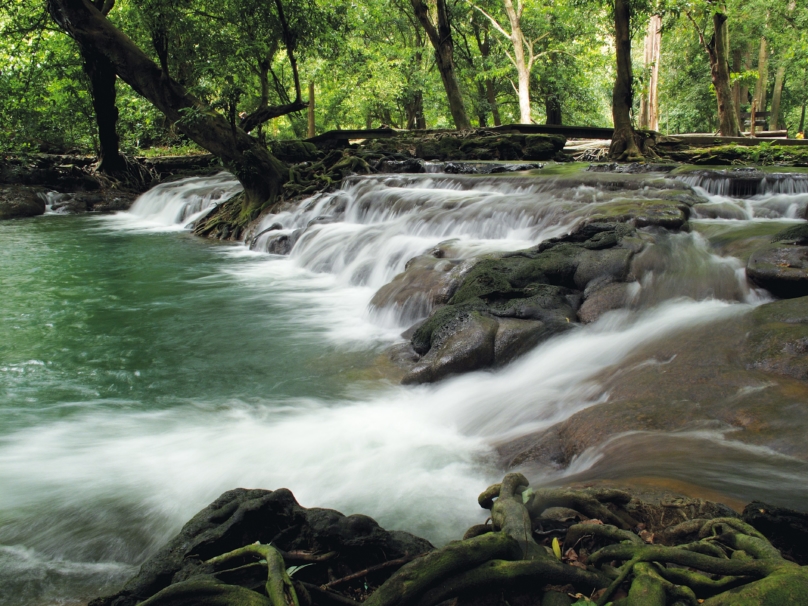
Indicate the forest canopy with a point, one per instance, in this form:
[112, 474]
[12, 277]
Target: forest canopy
[375, 63]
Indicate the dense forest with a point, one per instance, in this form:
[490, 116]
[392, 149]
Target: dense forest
[399, 63]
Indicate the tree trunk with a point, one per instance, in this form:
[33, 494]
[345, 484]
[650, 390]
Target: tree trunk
[311, 110]
[482, 114]
[492, 101]
[552, 107]
[522, 67]
[763, 76]
[738, 92]
[414, 107]
[101, 75]
[801, 127]
[776, 96]
[441, 39]
[484, 44]
[623, 146]
[261, 174]
[649, 105]
[719, 71]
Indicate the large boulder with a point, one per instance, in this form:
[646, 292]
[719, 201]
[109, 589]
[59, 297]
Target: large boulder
[508, 303]
[240, 517]
[17, 201]
[782, 266]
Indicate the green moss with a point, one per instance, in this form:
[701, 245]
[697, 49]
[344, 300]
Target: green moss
[797, 234]
[670, 214]
[785, 587]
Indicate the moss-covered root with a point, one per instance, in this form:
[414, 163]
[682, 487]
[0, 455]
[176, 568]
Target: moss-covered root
[649, 588]
[635, 556]
[498, 573]
[413, 580]
[591, 504]
[206, 593]
[509, 515]
[604, 532]
[279, 586]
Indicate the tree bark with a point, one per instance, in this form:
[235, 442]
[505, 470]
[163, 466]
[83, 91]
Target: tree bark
[718, 52]
[649, 105]
[261, 174]
[763, 75]
[492, 101]
[737, 94]
[441, 39]
[101, 77]
[719, 70]
[522, 67]
[776, 96]
[623, 146]
[484, 44]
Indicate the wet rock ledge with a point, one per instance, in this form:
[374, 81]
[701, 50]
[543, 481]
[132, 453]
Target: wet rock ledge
[545, 546]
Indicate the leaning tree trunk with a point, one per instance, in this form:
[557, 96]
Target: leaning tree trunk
[719, 72]
[623, 146]
[261, 174]
[441, 39]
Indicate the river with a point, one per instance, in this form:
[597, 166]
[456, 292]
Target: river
[144, 371]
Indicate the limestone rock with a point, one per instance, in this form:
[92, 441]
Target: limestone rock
[464, 344]
[782, 269]
[240, 517]
[17, 201]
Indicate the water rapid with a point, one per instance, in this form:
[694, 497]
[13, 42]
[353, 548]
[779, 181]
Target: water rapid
[142, 373]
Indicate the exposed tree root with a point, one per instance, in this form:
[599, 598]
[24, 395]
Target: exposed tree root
[729, 562]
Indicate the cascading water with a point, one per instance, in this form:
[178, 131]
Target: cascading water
[150, 373]
[178, 203]
[749, 194]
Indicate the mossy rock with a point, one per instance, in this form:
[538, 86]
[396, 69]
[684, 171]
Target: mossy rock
[18, 201]
[782, 269]
[644, 213]
[793, 235]
[294, 150]
[778, 340]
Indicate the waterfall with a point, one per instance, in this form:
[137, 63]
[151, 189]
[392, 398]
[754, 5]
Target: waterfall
[177, 204]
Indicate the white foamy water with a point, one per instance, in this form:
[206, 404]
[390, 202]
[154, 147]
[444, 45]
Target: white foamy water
[750, 195]
[173, 206]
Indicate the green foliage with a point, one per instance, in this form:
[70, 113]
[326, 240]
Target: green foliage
[372, 64]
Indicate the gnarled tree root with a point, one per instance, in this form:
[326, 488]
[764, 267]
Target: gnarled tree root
[279, 587]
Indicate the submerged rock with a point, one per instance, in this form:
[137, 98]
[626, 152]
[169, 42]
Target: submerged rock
[747, 374]
[17, 201]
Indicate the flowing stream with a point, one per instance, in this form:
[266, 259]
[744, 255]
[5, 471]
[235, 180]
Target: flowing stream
[144, 371]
